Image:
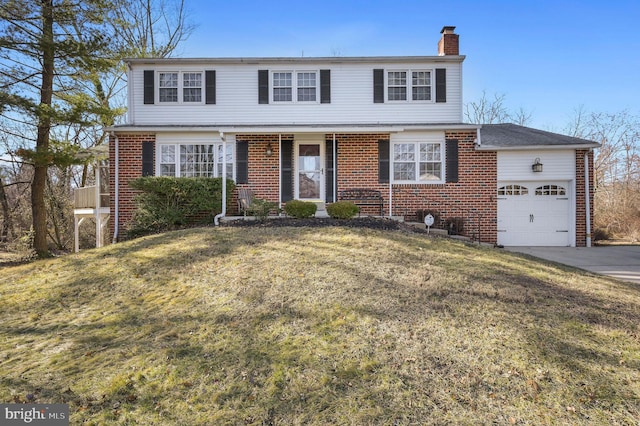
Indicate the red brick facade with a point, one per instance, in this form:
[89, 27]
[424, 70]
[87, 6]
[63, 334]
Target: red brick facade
[472, 198]
[581, 221]
[130, 167]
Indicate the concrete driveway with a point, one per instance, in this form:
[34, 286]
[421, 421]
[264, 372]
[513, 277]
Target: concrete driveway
[622, 262]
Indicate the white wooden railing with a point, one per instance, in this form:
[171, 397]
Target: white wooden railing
[85, 198]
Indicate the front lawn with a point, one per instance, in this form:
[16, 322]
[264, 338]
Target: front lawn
[331, 325]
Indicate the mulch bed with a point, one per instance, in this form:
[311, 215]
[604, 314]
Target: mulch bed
[360, 222]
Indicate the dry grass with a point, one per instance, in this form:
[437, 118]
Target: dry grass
[318, 326]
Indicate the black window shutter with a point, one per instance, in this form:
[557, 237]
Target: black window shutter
[452, 160]
[263, 86]
[325, 86]
[147, 159]
[242, 162]
[378, 86]
[210, 86]
[331, 173]
[149, 90]
[441, 85]
[383, 161]
[286, 172]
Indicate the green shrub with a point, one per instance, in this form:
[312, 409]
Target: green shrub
[300, 209]
[342, 210]
[261, 208]
[167, 203]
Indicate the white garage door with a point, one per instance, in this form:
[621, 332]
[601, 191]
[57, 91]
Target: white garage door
[534, 214]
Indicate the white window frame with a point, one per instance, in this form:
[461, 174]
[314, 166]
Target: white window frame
[294, 86]
[416, 161]
[164, 158]
[408, 86]
[181, 87]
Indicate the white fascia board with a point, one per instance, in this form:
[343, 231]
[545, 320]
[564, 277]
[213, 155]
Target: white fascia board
[329, 128]
[280, 60]
[535, 147]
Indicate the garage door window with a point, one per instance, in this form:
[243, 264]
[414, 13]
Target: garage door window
[513, 190]
[551, 190]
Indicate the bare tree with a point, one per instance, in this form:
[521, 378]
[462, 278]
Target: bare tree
[155, 28]
[616, 168]
[494, 111]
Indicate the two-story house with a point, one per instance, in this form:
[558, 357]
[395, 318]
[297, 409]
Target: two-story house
[307, 128]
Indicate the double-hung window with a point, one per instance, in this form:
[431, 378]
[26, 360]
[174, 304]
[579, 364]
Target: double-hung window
[414, 85]
[421, 85]
[192, 160]
[175, 87]
[192, 87]
[417, 162]
[168, 86]
[397, 85]
[282, 87]
[295, 86]
[307, 87]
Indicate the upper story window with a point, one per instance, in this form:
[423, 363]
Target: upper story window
[302, 83]
[282, 87]
[168, 86]
[192, 87]
[192, 160]
[417, 83]
[397, 86]
[421, 85]
[174, 87]
[307, 87]
[418, 162]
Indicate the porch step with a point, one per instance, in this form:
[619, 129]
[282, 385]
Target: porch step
[321, 209]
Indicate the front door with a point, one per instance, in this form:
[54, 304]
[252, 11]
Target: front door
[310, 169]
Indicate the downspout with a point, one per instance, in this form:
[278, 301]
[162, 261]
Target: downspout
[390, 180]
[335, 170]
[216, 219]
[116, 206]
[587, 194]
[280, 172]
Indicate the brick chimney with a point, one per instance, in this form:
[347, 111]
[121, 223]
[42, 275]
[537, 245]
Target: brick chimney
[449, 43]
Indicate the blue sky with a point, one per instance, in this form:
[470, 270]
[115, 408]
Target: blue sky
[548, 57]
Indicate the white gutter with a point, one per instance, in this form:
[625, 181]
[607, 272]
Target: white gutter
[530, 147]
[335, 170]
[216, 220]
[587, 197]
[116, 206]
[478, 138]
[390, 179]
[280, 171]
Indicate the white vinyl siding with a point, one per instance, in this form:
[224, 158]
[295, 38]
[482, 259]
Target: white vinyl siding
[351, 98]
